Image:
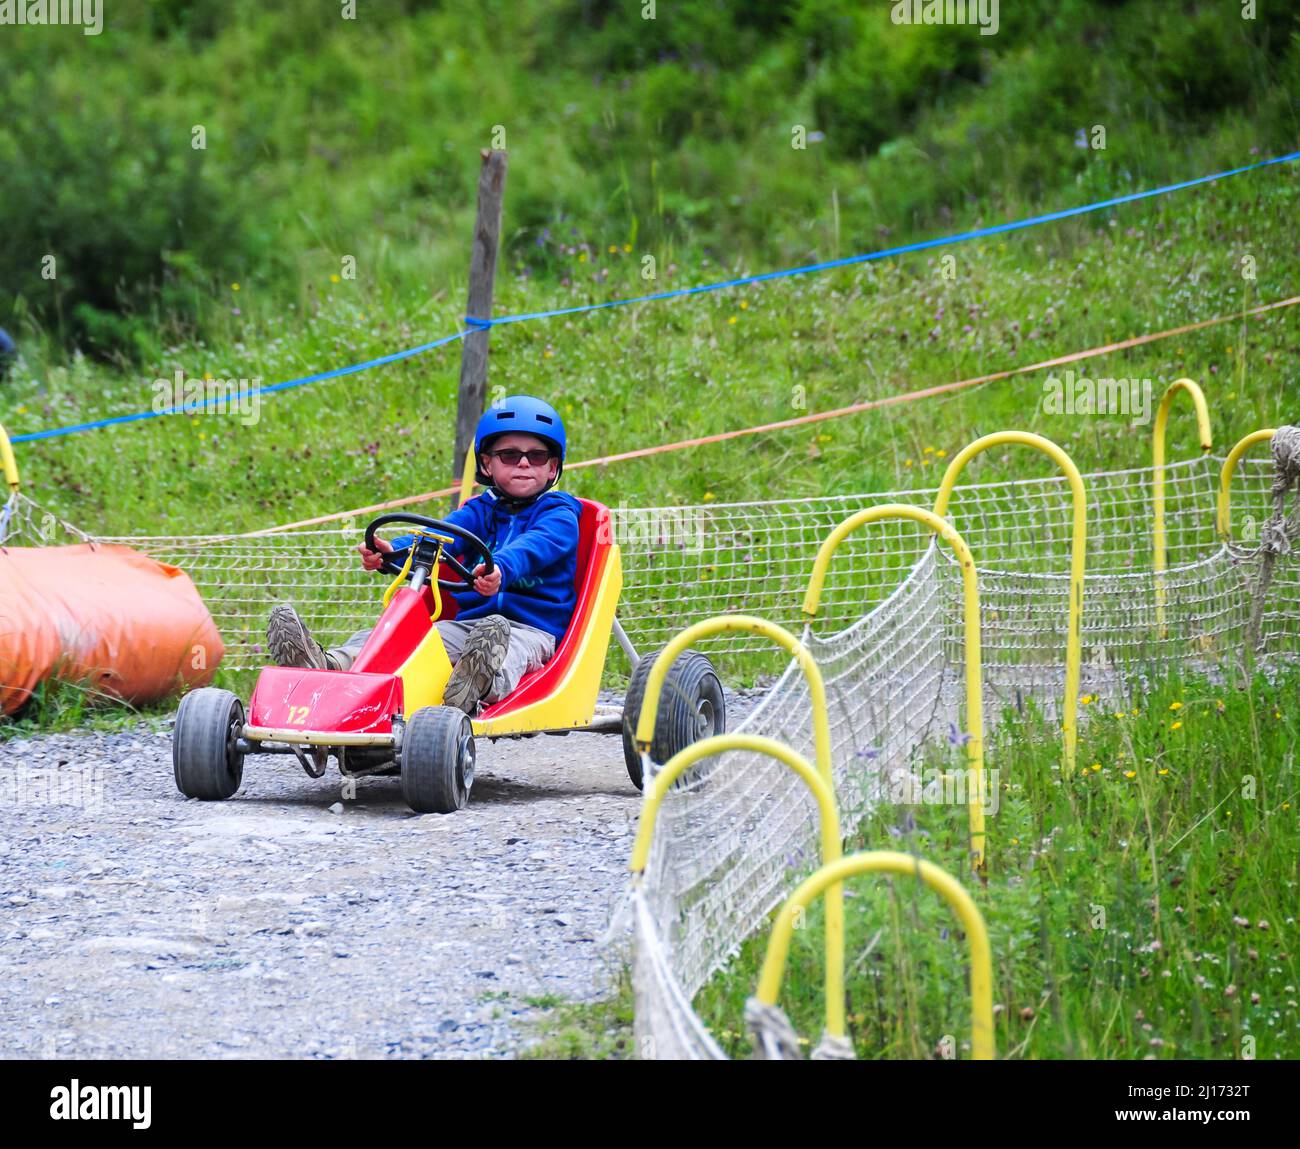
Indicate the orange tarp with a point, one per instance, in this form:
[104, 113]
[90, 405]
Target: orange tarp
[105, 615]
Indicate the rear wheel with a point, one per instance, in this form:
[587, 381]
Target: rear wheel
[437, 760]
[691, 707]
[205, 762]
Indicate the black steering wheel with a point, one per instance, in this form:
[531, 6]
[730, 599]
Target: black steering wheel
[426, 549]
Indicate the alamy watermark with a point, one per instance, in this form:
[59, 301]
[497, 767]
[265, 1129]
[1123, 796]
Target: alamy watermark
[1079, 395]
[958, 787]
[674, 529]
[81, 786]
[242, 397]
[77, 1102]
[981, 12]
[88, 13]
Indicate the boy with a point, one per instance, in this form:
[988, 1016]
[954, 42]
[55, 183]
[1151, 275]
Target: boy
[510, 622]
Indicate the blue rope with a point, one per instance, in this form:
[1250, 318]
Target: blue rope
[473, 323]
[922, 245]
[189, 407]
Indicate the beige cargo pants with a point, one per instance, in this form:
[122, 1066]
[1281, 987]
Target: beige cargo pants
[529, 649]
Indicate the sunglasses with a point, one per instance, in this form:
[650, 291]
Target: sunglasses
[511, 455]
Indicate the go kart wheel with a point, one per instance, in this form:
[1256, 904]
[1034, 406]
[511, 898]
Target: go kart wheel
[691, 707]
[204, 759]
[437, 760]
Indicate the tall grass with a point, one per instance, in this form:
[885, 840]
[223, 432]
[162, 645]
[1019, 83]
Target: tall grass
[1143, 908]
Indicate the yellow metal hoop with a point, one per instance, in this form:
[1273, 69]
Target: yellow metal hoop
[1158, 556]
[644, 736]
[8, 464]
[719, 624]
[467, 476]
[1224, 516]
[888, 861]
[830, 835]
[971, 613]
[1078, 543]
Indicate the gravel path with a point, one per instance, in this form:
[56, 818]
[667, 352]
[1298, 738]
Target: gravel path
[292, 922]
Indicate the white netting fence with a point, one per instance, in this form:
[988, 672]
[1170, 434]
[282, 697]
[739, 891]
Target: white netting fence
[682, 564]
[888, 641]
[730, 846]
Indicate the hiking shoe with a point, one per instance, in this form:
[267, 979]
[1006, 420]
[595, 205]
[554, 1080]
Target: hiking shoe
[289, 642]
[483, 656]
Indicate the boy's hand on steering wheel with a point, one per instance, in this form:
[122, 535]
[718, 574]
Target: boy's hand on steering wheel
[485, 585]
[372, 559]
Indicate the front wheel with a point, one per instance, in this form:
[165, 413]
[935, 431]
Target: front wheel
[691, 707]
[205, 760]
[437, 760]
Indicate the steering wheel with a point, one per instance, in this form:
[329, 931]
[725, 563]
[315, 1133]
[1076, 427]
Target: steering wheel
[425, 549]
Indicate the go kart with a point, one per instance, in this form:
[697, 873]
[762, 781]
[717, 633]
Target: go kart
[384, 715]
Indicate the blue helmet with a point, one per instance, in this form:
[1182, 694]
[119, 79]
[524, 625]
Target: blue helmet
[520, 413]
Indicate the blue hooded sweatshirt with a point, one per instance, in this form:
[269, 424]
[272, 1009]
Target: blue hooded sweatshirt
[535, 548]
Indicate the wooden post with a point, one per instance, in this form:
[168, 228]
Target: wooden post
[482, 275]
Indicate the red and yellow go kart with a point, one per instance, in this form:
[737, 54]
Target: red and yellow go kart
[384, 716]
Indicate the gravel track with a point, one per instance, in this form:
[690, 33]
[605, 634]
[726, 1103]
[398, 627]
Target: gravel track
[292, 922]
[271, 926]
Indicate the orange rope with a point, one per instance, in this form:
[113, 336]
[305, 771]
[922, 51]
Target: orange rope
[818, 417]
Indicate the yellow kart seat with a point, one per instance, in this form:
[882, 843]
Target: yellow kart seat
[598, 563]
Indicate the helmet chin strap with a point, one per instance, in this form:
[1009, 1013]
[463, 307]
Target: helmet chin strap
[514, 503]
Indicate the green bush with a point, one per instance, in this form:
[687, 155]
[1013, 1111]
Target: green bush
[329, 137]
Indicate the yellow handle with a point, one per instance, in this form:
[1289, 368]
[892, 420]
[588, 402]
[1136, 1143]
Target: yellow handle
[888, 861]
[406, 568]
[401, 578]
[1078, 541]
